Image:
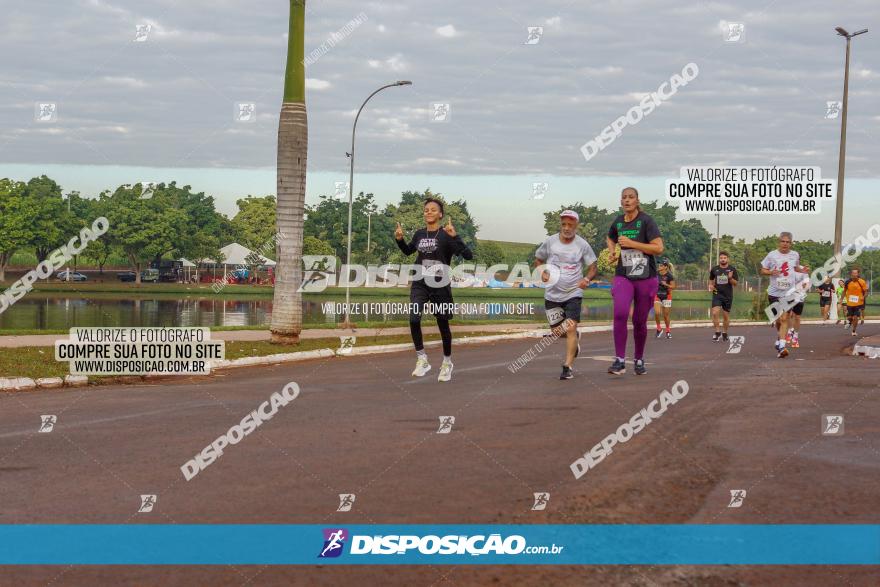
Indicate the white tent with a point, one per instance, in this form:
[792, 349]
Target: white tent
[187, 265]
[236, 254]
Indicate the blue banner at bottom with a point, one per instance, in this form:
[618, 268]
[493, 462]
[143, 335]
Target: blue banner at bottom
[268, 544]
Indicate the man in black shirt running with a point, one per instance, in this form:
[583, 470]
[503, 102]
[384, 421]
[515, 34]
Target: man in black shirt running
[722, 278]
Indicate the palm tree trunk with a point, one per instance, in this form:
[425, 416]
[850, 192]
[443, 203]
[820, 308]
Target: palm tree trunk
[293, 142]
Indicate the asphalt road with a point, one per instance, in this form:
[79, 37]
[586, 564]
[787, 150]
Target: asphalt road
[363, 425]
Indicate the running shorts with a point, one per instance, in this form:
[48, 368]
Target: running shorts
[723, 301]
[559, 312]
[665, 302]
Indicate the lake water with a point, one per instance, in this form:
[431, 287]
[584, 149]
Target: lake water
[54, 312]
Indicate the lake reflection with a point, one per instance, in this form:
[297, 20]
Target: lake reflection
[58, 312]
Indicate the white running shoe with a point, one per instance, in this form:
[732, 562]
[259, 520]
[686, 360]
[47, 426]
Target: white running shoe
[445, 371]
[422, 366]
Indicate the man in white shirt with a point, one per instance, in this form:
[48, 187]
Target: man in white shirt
[782, 265]
[565, 255]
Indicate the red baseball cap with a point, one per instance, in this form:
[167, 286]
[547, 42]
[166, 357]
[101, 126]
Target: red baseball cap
[570, 214]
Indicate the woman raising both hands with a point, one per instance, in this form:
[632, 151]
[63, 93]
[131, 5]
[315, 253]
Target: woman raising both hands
[435, 247]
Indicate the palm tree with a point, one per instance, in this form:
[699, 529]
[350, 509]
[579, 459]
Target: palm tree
[293, 143]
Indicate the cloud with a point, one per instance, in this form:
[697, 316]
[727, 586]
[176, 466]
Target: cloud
[516, 108]
[129, 82]
[317, 84]
[448, 31]
[394, 63]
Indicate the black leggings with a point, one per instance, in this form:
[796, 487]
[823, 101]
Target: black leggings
[415, 328]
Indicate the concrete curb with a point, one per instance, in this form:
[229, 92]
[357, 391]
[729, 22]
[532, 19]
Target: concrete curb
[17, 383]
[871, 352]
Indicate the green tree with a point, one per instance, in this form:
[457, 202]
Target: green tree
[50, 222]
[14, 223]
[254, 223]
[143, 229]
[315, 246]
[199, 236]
[488, 253]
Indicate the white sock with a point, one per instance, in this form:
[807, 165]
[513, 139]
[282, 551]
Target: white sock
[621, 359]
[422, 353]
[447, 359]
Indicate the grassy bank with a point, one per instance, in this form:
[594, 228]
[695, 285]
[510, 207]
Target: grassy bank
[37, 362]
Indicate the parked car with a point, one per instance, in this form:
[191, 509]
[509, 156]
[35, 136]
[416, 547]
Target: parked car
[150, 275]
[126, 276]
[168, 277]
[74, 276]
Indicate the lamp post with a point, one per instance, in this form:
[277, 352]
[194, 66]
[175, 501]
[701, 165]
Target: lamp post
[347, 322]
[841, 161]
[68, 264]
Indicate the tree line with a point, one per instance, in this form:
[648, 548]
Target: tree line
[170, 221]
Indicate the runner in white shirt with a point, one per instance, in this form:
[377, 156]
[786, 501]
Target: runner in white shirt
[782, 265]
[566, 255]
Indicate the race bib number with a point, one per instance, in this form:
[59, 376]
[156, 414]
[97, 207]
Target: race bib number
[634, 262]
[826, 294]
[721, 279]
[853, 299]
[555, 315]
[783, 283]
[667, 303]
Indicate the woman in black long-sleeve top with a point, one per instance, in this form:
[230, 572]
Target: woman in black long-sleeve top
[435, 247]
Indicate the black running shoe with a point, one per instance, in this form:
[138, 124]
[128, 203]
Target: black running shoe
[640, 367]
[724, 337]
[617, 368]
[716, 337]
[566, 373]
[659, 334]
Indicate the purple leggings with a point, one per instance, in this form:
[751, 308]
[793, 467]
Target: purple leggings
[625, 292]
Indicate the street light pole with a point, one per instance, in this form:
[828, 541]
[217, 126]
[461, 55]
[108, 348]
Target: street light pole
[347, 323]
[68, 213]
[841, 161]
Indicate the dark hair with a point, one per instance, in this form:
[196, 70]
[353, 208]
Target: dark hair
[638, 207]
[436, 201]
[723, 253]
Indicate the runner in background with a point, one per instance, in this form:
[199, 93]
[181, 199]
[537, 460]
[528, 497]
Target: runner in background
[568, 254]
[802, 287]
[435, 247]
[782, 265]
[635, 279]
[841, 305]
[855, 289]
[663, 299]
[722, 278]
[825, 291]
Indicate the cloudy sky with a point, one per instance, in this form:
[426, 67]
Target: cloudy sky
[165, 108]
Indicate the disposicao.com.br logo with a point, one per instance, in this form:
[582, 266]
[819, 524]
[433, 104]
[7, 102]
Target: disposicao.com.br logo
[431, 544]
